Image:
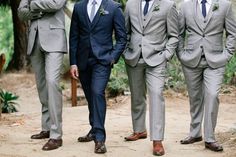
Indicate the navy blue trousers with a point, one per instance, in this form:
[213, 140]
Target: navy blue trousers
[94, 80]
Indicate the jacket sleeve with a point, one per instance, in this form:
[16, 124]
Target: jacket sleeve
[230, 28]
[182, 26]
[47, 5]
[172, 32]
[24, 12]
[120, 34]
[127, 24]
[74, 37]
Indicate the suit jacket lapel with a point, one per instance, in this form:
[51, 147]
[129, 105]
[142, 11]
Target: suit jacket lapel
[197, 14]
[210, 13]
[98, 15]
[150, 13]
[140, 13]
[86, 13]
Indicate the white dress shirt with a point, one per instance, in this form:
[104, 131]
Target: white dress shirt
[89, 6]
[208, 5]
[150, 4]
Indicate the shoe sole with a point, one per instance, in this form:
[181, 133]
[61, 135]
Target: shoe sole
[196, 140]
[220, 150]
[157, 154]
[83, 141]
[144, 137]
[52, 149]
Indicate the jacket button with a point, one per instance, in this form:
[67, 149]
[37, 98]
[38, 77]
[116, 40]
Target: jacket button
[204, 21]
[143, 34]
[201, 47]
[203, 35]
[139, 45]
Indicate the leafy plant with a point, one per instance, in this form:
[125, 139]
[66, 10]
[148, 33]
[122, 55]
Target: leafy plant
[230, 72]
[175, 77]
[6, 31]
[118, 82]
[7, 100]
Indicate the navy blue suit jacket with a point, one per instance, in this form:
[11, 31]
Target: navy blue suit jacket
[96, 37]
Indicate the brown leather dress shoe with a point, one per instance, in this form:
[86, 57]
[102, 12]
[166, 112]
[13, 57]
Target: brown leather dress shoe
[136, 136]
[41, 135]
[190, 140]
[100, 148]
[158, 148]
[214, 146]
[52, 144]
[87, 138]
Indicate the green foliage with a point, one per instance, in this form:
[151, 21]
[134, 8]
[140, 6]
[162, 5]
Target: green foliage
[230, 72]
[118, 82]
[6, 34]
[7, 101]
[175, 77]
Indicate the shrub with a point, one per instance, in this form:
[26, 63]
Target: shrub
[175, 76]
[7, 101]
[230, 72]
[6, 31]
[118, 82]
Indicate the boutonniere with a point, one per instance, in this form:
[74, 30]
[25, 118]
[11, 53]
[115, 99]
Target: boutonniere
[215, 5]
[156, 8]
[103, 12]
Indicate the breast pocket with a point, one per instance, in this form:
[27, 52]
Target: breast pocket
[218, 20]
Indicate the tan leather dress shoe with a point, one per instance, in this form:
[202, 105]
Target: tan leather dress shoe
[158, 148]
[214, 146]
[190, 140]
[52, 144]
[136, 136]
[41, 135]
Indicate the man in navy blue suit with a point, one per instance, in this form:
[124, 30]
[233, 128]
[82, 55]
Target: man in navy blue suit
[92, 55]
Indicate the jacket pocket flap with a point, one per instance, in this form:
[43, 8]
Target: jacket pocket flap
[56, 26]
[158, 49]
[189, 47]
[217, 48]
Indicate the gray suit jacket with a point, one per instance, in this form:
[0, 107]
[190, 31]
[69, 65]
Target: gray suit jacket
[154, 35]
[46, 16]
[204, 36]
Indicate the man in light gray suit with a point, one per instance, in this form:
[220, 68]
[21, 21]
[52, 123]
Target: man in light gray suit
[152, 27]
[46, 47]
[203, 57]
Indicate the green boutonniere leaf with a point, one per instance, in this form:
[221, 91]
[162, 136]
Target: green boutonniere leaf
[156, 8]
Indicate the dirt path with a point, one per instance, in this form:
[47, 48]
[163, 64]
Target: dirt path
[15, 129]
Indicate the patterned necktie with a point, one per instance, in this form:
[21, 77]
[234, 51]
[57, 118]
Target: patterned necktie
[92, 13]
[204, 8]
[145, 10]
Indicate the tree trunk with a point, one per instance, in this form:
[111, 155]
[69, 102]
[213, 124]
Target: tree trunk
[20, 28]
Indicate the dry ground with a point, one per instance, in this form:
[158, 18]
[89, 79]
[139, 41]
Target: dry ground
[15, 129]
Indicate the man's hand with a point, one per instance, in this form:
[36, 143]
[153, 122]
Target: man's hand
[36, 15]
[74, 72]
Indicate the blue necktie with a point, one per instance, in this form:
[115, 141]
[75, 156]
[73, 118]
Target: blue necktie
[204, 8]
[145, 10]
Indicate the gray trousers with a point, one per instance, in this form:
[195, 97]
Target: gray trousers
[47, 66]
[203, 85]
[142, 77]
